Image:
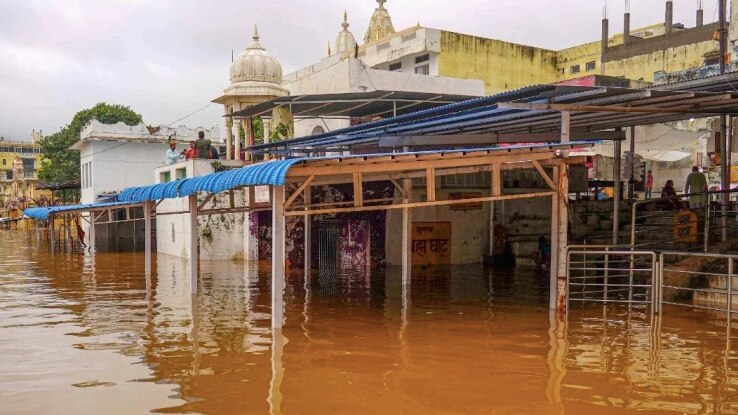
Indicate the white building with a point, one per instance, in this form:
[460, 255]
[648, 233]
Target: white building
[116, 156]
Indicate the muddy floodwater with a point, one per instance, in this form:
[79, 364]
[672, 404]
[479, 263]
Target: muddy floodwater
[79, 336]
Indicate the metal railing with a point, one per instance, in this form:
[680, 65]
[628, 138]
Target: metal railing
[705, 287]
[654, 222]
[615, 274]
[611, 274]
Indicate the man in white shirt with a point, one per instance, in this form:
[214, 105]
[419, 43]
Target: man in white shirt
[173, 156]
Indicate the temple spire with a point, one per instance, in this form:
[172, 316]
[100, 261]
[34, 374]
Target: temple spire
[380, 25]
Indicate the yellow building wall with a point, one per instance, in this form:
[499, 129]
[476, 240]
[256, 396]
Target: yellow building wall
[501, 65]
[669, 60]
[579, 55]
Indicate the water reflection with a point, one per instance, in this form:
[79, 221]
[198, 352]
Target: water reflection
[83, 337]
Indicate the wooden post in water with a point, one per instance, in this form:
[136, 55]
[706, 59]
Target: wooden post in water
[93, 237]
[147, 237]
[194, 260]
[278, 256]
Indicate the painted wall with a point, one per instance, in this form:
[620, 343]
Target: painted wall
[671, 59]
[502, 65]
[579, 55]
[220, 236]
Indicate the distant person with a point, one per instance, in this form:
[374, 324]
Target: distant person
[213, 151]
[670, 200]
[649, 185]
[202, 146]
[173, 156]
[696, 183]
[542, 257]
[191, 152]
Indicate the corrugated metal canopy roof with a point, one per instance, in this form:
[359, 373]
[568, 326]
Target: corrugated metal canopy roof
[356, 105]
[488, 115]
[276, 172]
[42, 213]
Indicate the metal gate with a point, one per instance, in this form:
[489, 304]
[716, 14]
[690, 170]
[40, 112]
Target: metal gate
[329, 232]
[611, 275]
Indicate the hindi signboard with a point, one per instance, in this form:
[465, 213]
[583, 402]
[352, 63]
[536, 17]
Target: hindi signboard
[431, 243]
[685, 227]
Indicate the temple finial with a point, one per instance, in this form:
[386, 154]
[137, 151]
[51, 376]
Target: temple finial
[345, 23]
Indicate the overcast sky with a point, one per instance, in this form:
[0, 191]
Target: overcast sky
[168, 58]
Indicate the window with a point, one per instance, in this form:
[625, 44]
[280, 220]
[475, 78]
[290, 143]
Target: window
[422, 70]
[165, 177]
[591, 66]
[5, 162]
[181, 173]
[574, 69]
[395, 66]
[421, 59]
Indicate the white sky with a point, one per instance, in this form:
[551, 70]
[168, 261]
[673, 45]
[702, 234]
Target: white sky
[168, 58]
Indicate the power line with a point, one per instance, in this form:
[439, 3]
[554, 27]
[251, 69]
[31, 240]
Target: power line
[189, 115]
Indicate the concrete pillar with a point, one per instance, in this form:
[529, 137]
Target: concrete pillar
[631, 173]
[229, 138]
[605, 35]
[700, 18]
[147, 237]
[617, 153]
[237, 147]
[626, 29]
[250, 234]
[194, 260]
[278, 256]
[669, 18]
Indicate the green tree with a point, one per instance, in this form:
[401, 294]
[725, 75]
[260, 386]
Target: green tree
[62, 164]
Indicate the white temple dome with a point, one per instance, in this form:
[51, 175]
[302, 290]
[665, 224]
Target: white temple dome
[345, 40]
[256, 64]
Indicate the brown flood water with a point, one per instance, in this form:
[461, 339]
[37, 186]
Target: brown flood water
[85, 337]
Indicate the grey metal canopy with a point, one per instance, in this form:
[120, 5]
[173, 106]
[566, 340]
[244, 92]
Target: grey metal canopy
[356, 105]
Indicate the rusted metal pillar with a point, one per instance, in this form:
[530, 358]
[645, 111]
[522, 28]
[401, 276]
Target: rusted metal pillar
[194, 257]
[724, 178]
[560, 225]
[278, 256]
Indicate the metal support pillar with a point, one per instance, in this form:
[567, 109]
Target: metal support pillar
[560, 226]
[407, 233]
[724, 178]
[52, 233]
[194, 257]
[308, 231]
[250, 234]
[147, 236]
[616, 154]
[278, 256]
[631, 173]
[93, 238]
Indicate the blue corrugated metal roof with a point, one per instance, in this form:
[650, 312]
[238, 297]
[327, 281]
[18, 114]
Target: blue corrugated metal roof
[522, 93]
[261, 174]
[43, 213]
